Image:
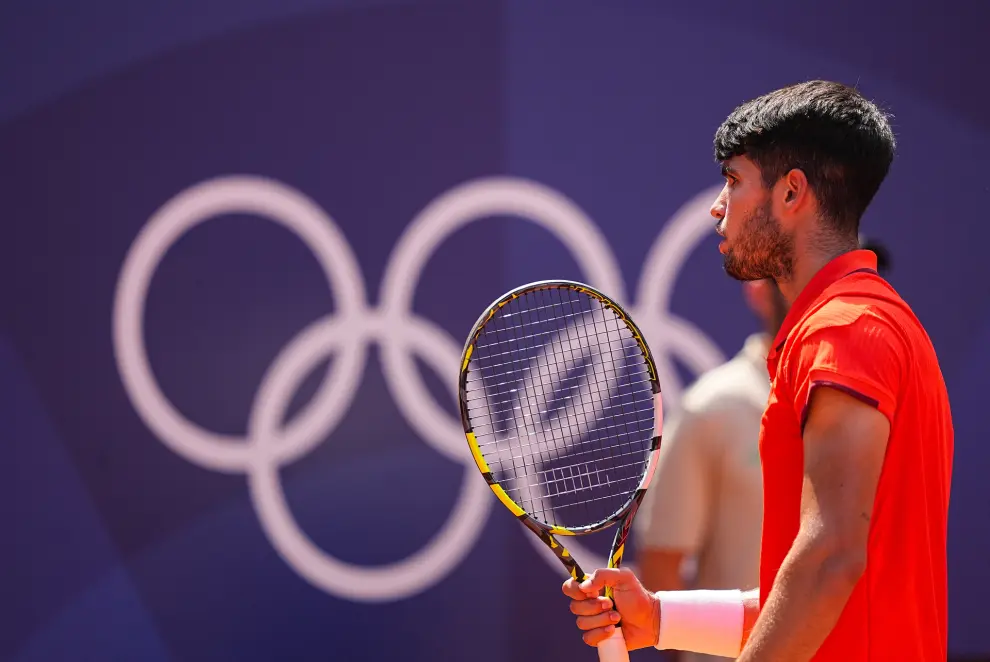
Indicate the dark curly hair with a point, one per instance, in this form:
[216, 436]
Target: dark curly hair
[842, 142]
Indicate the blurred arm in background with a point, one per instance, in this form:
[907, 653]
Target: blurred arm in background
[677, 512]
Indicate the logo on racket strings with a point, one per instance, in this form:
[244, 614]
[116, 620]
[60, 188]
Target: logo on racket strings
[552, 411]
[400, 334]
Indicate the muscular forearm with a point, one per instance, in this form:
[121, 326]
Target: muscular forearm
[811, 590]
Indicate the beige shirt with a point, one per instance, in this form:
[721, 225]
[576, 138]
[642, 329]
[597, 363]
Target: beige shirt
[706, 497]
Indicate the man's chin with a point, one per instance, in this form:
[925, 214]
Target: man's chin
[738, 271]
[731, 267]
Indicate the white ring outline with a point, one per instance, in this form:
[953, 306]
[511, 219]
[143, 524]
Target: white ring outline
[191, 207]
[353, 327]
[389, 582]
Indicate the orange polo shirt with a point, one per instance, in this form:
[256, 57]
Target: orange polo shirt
[849, 329]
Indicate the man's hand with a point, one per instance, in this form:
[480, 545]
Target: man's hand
[639, 609]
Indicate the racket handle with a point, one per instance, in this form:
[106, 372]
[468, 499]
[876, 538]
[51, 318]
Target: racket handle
[613, 649]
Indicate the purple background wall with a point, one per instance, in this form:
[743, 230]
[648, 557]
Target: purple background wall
[120, 547]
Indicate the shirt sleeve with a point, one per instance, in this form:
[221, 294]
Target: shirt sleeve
[862, 356]
[676, 509]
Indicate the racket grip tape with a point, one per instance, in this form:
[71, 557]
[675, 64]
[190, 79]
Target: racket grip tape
[613, 649]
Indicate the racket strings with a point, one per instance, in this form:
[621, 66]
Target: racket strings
[610, 447]
[563, 383]
[647, 410]
[526, 368]
[597, 427]
[545, 478]
[532, 315]
[545, 506]
[525, 325]
[592, 451]
[576, 395]
[513, 375]
[625, 420]
[601, 476]
[504, 390]
[509, 334]
[538, 334]
[511, 401]
[585, 502]
[535, 503]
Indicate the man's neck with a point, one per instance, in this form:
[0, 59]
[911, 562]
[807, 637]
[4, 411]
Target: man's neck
[806, 266]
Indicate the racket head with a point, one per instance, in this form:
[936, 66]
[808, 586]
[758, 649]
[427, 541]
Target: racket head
[561, 407]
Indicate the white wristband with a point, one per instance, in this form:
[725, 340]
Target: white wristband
[703, 621]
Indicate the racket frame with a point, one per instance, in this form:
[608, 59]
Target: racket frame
[627, 511]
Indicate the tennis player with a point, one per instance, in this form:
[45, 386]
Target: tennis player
[856, 442]
[704, 508]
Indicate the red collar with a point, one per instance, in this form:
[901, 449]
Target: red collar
[839, 267]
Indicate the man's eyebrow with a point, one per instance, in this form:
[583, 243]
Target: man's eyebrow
[729, 170]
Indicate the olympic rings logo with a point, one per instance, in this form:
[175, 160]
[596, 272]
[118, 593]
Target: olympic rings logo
[400, 335]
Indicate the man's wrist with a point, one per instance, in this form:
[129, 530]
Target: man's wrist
[701, 621]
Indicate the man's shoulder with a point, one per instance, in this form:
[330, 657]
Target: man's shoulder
[858, 309]
[869, 319]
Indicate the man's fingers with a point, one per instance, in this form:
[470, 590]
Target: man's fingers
[590, 606]
[571, 589]
[602, 620]
[618, 578]
[595, 637]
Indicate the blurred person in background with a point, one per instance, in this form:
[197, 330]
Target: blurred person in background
[701, 521]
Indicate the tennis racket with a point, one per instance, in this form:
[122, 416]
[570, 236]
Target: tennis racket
[562, 411]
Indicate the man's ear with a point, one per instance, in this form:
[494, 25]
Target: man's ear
[795, 190]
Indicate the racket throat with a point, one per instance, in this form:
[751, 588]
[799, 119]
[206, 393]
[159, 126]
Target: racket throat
[561, 552]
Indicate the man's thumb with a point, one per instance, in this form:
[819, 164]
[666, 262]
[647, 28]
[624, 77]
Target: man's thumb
[617, 578]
